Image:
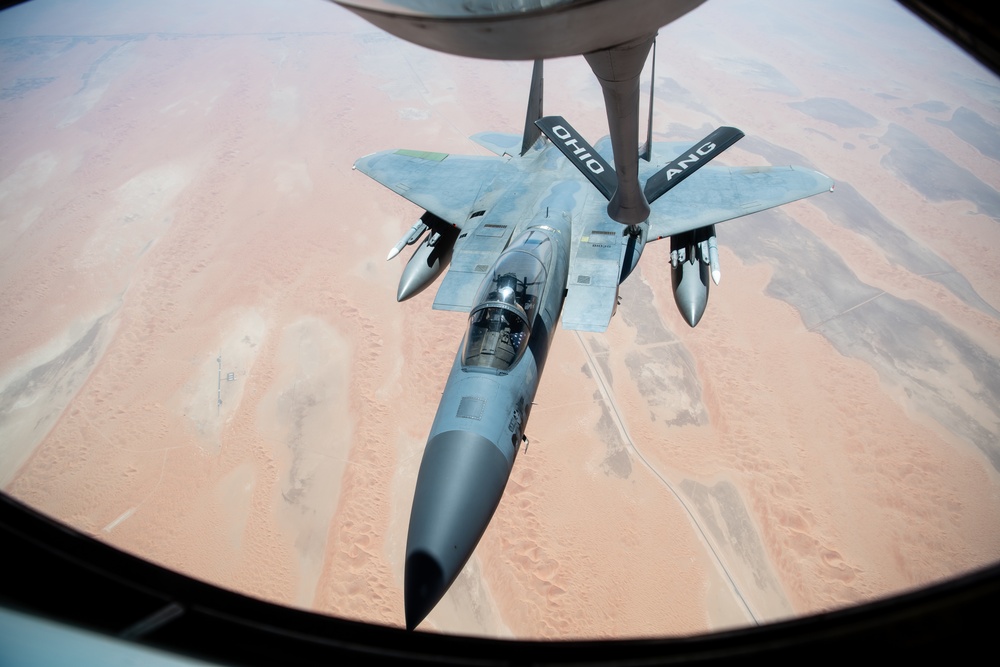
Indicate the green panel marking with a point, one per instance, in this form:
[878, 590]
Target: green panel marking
[423, 155]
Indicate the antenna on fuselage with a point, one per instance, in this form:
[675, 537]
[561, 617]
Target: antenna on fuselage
[531, 131]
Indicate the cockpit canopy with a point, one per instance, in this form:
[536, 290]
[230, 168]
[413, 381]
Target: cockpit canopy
[497, 338]
[500, 322]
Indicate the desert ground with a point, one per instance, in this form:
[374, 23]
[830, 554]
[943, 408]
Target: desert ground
[204, 364]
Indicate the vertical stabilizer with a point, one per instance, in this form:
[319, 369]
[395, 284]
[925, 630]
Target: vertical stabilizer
[531, 131]
[647, 151]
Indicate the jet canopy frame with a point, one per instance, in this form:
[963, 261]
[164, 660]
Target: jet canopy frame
[500, 323]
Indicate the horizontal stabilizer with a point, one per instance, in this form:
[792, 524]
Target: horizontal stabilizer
[690, 161]
[580, 153]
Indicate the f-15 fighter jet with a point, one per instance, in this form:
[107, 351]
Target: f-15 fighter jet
[550, 226]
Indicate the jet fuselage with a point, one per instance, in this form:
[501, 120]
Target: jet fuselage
[531, 244]
[480, 420]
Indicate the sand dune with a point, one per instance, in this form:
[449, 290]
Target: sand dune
[180, 224]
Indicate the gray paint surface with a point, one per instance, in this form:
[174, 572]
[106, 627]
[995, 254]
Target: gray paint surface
[538, 203]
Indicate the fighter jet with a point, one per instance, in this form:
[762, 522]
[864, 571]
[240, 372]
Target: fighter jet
[546, 228]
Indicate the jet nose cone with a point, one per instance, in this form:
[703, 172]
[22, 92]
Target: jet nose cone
[462, 476]
[423, 587]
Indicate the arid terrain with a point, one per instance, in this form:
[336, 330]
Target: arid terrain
[203, 361]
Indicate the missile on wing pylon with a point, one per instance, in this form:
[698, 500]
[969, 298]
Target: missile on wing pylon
[411, 236]
[713, 256]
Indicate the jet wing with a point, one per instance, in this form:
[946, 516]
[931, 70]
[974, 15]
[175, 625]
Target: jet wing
[715, 194]
[443, 184]
[708, 196]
